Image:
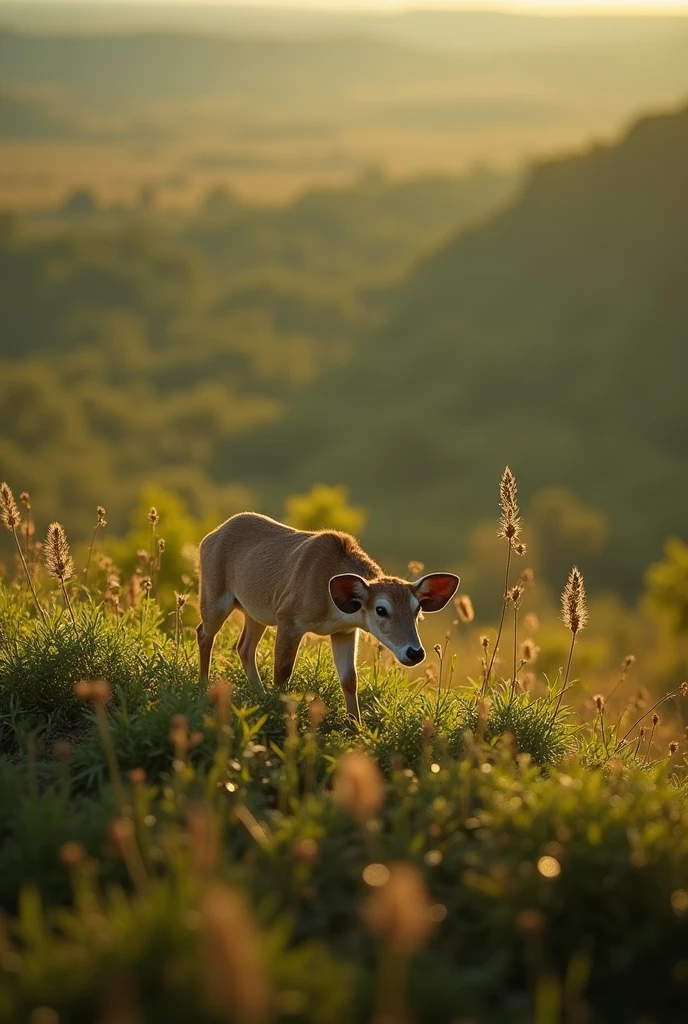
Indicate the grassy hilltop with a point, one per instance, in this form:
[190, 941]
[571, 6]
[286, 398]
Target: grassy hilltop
[475, 850]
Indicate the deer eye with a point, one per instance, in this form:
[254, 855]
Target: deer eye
[381, 611]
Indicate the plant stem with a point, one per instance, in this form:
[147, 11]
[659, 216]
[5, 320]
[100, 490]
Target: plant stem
[501, 621]
[28, 574]
[564, 684]
[90, 552]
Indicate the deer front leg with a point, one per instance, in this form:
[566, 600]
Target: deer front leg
[344, 646]
[286, 646]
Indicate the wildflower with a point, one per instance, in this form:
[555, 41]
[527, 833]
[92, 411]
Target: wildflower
[58, 560]
[509, 521]
[627, 662]
[153, 517]
[399, 911]
[147, 585]
[100, 512]
[358, 786]
[516, 595]
[484, 642]
[464, 608]
[181, 600]
[9, 513]
[574, 610]
[236, 979]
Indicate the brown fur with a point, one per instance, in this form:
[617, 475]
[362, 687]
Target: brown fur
[279, 576]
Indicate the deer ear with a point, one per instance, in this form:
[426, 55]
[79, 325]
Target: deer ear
[435, 590]
[348, 592]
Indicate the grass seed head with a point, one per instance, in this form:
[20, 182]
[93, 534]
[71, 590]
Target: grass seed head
[415, 569]
[100, 512]
[464, 608]
[509, 520]
[529, 650]
[399, 912]
[655, 720]
[58, 560]
[599, 701]
[573, 604]
[9, 512]
[673, 747]
[153, 517]
[358, 785]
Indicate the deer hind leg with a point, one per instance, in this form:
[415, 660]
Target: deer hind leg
[286, 647]
[214, 613]
[344, 647]
[248, 642]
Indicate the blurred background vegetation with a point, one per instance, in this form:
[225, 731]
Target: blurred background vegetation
[342, 268]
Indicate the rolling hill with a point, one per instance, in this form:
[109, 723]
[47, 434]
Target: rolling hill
[552, 337]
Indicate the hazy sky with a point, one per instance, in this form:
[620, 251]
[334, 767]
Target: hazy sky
[547, 5]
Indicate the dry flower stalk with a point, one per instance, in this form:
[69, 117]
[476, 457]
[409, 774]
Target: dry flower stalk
[358, 786]
[236, 979]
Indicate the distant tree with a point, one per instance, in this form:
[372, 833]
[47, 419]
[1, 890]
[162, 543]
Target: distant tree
[81, 203]
[666, 584]
[324, 507]
[564, 530]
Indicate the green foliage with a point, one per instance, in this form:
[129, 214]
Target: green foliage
[538, 844]
[667, 584]
[324, 508]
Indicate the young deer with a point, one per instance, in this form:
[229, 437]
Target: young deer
[301, 582]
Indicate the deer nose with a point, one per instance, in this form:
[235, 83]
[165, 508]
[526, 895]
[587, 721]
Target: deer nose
[415, 654]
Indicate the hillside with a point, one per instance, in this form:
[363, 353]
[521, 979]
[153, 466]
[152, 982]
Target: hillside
[552, 337]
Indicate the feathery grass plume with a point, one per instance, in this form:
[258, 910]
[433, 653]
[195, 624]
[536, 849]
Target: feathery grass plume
[464, 608]
[510, 529]
[415, 569]
[58, 560]
[358, 786]
[573, 603]
[101, 521]
[9, 511]
[59, 563]
[520, 549]
[11, 517]
[575, 616]
[237, 984]
[509, 521]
